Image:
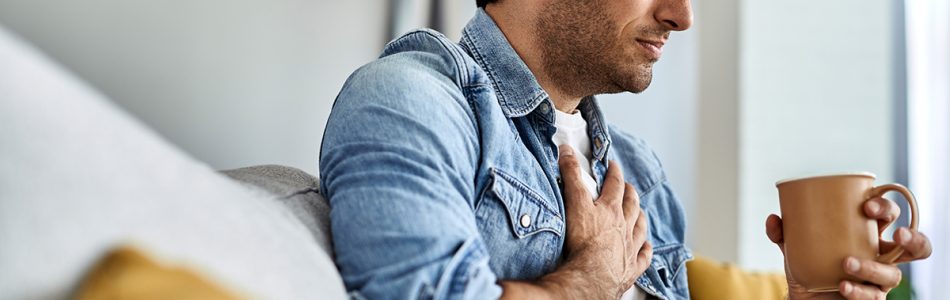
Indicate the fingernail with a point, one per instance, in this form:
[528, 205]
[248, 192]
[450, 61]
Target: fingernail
[904, 235]
[565, 150]
[874, 207]
[847, 288]
[852, 264]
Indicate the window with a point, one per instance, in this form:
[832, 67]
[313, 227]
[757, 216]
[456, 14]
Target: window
[928, 91]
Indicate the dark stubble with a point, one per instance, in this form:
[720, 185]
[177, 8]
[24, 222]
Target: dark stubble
[583, 54]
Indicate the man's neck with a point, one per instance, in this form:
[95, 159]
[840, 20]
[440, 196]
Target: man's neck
[518, 25]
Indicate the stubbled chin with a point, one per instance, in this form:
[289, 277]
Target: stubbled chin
[638, 79]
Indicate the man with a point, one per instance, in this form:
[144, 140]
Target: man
[485, 168]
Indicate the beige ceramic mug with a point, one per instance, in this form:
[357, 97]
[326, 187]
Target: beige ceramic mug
[824, 221]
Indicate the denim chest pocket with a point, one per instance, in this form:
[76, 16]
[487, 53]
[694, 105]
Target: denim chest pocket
[670, 260]
[667, 270]
[527, 211]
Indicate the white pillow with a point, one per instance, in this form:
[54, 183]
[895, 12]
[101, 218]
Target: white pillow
[79, 176]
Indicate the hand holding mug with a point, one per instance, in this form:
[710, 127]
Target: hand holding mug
[828, 234]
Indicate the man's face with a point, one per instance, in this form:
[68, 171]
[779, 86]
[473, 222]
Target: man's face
[607, 46]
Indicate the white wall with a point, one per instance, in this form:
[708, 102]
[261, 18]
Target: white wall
[234, 83]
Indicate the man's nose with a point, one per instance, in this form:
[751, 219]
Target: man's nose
[675, 15]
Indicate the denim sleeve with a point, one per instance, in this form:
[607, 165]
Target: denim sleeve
[398, 165]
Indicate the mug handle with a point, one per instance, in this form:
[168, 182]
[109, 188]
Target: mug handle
[879, 191]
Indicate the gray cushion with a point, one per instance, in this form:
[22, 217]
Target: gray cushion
[295, 189]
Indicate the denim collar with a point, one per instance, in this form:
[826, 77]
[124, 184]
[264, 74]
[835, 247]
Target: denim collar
[518, 91]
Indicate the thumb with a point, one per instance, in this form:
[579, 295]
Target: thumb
[773, 228]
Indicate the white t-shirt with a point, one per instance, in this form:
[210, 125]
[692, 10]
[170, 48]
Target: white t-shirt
[572, 130]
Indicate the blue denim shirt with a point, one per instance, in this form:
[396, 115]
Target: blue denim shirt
[442, 177]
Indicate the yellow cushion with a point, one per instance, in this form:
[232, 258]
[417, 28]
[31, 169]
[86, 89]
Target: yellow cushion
[126, 273]
[712, 280]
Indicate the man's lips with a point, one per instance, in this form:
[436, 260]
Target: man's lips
[653, 48]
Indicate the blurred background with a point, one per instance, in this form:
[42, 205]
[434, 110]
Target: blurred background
[756, 92]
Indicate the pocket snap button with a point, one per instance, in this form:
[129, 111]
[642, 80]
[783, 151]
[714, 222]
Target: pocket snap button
[525, 220]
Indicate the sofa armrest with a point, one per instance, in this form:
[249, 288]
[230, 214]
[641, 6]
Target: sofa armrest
[295, 189]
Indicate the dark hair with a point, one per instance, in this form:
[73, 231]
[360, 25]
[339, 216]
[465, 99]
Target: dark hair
[482, 3]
